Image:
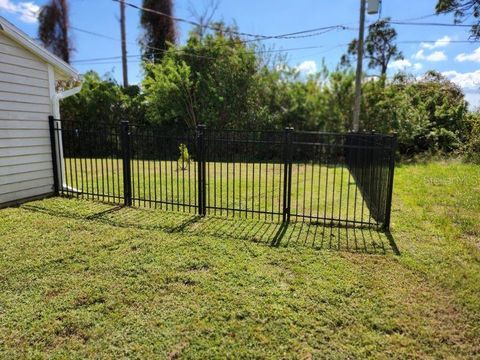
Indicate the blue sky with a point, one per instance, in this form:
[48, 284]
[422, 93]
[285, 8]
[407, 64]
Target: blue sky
[459, 61]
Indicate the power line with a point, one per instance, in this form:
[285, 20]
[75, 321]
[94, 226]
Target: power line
[190, 22]
[94, 60]
[95, 34]
[92, 33]
[438, 41]
[418, 18]
[132, 43]
[303, 34]
[430, 24]
[293, 35]
[181, 50]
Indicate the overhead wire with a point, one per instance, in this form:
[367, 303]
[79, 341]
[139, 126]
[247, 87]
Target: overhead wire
[92, 33]
[430, 24]
[140, 55]
[257, 37]
[80, 61]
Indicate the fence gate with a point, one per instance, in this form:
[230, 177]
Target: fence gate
[337, 179]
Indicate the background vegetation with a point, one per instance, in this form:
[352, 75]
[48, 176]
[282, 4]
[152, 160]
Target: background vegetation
[219, 80]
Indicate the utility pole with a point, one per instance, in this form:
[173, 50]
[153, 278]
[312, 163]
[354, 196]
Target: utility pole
[358, 78]
[124, 43]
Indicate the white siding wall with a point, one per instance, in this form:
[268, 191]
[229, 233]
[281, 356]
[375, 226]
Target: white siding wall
[25, 157]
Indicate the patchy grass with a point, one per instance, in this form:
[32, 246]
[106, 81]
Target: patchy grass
[87, 280]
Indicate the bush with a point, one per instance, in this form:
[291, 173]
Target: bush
[184, 159]
[228, 84]
[103, 101]
[472, 148]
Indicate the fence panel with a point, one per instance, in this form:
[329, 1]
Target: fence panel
[244, 173]
[371, 161]
[336, 179]
[163, 173]
[322, 189]
[92, 166]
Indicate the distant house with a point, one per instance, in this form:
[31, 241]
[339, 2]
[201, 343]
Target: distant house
[28, 77]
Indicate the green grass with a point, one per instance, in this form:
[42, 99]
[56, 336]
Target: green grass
[323, 191]
[81, 279]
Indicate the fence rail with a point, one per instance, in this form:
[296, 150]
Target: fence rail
[338, 179]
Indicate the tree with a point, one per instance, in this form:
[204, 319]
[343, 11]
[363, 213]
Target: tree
[380, 46]
[205, 17]
[216, 87]
[159, 30]
[103, 101]
[462, 10]
[53, 28]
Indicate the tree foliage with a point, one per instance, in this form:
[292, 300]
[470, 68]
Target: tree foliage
[428, 114]
[380, 47]
[472, 147]
[216, 86]
[53, 29]
[462, 10]
[158, 31]
[103, 101]
[221, 82]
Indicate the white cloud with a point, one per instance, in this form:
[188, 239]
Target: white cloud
[420, 55]
[442, 42]
[28, 11]
[307, 67]
[467, 81]
[435, 56]
[402, 65]
[475, 56]
[417, 66]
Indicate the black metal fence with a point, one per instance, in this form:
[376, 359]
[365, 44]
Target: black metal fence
[338, 179]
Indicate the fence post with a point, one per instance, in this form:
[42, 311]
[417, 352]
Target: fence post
[53, 144]
[202, 210]
[391, 172]
[287, 174]
[126, 155]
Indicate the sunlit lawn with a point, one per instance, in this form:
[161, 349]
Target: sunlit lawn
[81, 279]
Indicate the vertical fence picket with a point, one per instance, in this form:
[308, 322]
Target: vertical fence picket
[201, 170]
[53, 144]
[126, 157]
[391, 172]
[287, 174]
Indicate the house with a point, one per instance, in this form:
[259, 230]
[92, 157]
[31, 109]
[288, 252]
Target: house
[28, 77]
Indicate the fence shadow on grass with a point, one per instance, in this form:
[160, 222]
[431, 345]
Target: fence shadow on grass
[304, 234]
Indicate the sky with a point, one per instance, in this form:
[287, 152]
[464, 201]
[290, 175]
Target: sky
[424, 47]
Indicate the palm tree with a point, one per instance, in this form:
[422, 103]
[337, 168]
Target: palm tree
[159, 30]
[53, 28]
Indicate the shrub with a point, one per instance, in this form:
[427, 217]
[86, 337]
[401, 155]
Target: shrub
[184, 159]
[472, 148]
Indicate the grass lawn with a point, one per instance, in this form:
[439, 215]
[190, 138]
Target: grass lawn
[80, 279]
